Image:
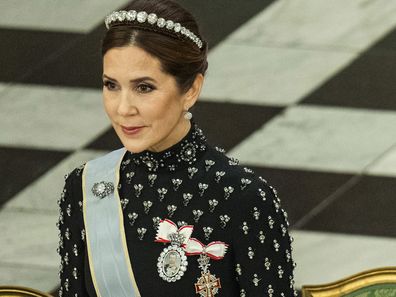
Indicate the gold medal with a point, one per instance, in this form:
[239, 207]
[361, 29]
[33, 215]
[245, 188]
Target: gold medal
[208, 284]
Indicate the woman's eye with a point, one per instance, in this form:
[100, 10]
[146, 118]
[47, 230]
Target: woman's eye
[109, 85]
[144, 88]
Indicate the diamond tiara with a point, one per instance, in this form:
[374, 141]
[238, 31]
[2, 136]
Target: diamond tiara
[152, 19]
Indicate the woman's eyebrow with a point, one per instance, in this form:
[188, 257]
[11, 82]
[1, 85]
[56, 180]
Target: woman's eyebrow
[136, 80]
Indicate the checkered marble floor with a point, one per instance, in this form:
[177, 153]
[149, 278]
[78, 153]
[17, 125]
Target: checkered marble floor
[300, 90]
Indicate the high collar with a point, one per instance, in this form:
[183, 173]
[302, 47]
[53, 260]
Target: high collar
[184, 153]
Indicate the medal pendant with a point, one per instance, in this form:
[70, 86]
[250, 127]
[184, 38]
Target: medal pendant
[172, 263]
[207, 285]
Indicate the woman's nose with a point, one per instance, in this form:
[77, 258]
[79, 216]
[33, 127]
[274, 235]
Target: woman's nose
[126, 105]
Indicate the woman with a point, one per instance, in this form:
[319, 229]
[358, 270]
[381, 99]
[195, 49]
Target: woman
[168, 214]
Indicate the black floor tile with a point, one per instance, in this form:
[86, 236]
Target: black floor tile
[368, 82]
[23, 52]
[388, 42]
[227, 124]
[368, 208]
[224, 124]
[219, 18]
[106, 141]
[299, 190]
[78, 66]
[81, 64]
[19, 167]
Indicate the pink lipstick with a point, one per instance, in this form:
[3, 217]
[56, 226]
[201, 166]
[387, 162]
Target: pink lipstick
[131, 130]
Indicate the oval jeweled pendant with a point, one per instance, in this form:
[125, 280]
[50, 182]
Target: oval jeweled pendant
[172, 263]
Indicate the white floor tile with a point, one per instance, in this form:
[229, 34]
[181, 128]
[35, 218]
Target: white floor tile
[320, 138]
[327, 257]
[386, 165]
[43, 193]
[50, 117]
[29, 238]
[72, 16]
[40, 278]
[335, 25]
[275, 76]
[3, 87]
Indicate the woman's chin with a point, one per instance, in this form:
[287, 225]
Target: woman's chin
[135, 149]
[135, 145]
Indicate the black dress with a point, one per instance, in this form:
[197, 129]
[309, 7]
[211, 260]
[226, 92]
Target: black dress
[188, 183]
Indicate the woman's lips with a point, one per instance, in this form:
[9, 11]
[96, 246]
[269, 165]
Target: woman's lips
[131, 130]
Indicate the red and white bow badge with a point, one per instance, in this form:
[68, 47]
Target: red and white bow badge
[172, 262]
[215, 250]
[207, 284]
[168, 232]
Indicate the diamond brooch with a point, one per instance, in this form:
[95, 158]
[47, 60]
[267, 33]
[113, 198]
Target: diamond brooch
[102, 189]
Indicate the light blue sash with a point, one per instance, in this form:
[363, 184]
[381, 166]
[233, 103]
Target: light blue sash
[108, 256]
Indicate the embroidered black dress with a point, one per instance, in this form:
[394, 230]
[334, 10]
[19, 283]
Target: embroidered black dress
[189, 183]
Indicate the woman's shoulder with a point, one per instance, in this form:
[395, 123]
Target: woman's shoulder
[75, 174]
[251, 195]
[232, 171]
[70, 200]
[238, 178]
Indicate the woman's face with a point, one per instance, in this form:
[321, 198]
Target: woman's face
[143, 103]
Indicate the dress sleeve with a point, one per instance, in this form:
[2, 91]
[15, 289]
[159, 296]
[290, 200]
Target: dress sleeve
[262, 244]
[71, 247]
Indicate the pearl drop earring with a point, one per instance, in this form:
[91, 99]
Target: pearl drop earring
[188, 115]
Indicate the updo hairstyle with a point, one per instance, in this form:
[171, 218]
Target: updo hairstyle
[179, 57]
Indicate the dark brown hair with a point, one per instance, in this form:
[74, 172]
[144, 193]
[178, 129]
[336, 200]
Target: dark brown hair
[179, 57]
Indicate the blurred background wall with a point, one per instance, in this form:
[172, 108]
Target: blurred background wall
[302, 91]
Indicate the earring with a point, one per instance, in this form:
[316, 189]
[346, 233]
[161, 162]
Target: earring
[188, 115]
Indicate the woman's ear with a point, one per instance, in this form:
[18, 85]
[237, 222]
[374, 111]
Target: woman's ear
[192, 94]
